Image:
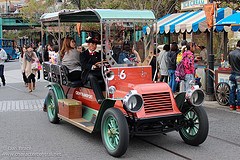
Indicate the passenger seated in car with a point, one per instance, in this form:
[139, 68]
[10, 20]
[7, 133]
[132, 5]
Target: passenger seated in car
[71, 59]
[128, 56]
[91, 70]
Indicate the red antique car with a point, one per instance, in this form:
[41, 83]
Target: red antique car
[133, 104]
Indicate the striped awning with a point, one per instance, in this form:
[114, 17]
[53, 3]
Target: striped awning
[233, 21]
[190, 21]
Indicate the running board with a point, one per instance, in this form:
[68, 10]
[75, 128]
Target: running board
[80, 123]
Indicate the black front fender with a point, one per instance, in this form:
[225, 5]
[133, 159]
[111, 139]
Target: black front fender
[180, 99]
[107, 103]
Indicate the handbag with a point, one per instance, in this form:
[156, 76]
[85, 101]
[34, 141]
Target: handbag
[34, 65]
[39, 66]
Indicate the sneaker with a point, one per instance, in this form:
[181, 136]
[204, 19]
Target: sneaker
[4, 83]
[44, 108]
[238, 108]
[232, 107]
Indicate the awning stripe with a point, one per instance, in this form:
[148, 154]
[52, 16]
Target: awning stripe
[190, 21]
[170, 19]
[172, 26]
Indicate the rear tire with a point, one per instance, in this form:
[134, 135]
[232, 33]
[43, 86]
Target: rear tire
[196, 126]
[222, 93]
[52, 107]
[115, 132]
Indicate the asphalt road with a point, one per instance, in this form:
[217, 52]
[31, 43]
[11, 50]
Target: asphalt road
[25, 133]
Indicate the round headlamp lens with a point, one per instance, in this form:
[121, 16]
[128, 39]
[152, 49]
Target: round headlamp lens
[132, 102]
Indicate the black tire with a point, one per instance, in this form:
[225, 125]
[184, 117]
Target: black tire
[52, 107]
[222, 93]
[115, 136]
[195, 130]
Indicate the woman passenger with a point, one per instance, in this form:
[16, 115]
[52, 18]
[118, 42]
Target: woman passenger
[71, 59]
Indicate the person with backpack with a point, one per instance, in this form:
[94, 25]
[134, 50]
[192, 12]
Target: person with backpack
[180, 75]
[188, 62]
[172, 56]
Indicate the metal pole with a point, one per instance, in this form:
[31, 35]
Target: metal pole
[79, 5]
[210, 84]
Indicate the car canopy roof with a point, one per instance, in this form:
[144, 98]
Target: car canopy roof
[97, 15]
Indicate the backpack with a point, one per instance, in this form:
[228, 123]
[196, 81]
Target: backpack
[180, 71]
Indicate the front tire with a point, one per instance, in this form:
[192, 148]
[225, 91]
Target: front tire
[115, 132]
[52, 107]
[196, 126]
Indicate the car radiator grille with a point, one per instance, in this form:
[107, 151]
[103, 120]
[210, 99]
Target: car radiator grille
[157, 102]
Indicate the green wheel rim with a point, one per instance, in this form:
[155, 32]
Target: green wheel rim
[51, 107]
[192, 127]
[111, 133]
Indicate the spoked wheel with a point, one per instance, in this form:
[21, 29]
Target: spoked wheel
[115, 132]
[52, 107]
[222, 93]
[196, 126]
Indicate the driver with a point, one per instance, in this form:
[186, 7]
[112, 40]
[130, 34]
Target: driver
[91, 70]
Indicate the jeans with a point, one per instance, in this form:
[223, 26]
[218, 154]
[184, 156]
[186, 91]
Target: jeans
[234, 90]
[188, 78]
[164, 78]
[172, 82]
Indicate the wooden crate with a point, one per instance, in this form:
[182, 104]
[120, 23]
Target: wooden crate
[70, 108]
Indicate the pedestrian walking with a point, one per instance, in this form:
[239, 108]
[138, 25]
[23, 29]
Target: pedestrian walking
[180, 75]
[30, 66]
[48, 49]
[23, 50]
[163, 63]
[153, 63]
[172, 56]
[39, 52]
[188, 62]
[3, 57]
[234, 61]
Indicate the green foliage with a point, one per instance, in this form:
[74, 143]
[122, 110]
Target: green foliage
[160, 7]
[10, 34]
[34, 9]
[234, 4]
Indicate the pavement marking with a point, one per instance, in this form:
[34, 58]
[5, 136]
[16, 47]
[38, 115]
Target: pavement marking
[22, 105]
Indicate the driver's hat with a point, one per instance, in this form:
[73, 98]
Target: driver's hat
[92, 40]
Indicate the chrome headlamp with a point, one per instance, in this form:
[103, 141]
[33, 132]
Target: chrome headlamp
[195, 96]
[133, 101]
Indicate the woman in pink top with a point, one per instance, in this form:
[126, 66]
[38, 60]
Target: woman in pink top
[188, 61]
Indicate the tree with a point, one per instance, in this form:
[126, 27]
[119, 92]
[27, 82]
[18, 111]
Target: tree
[160, 7]
[234, 4]
[34, 9]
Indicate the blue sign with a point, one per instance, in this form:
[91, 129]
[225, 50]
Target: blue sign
[191, 4]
